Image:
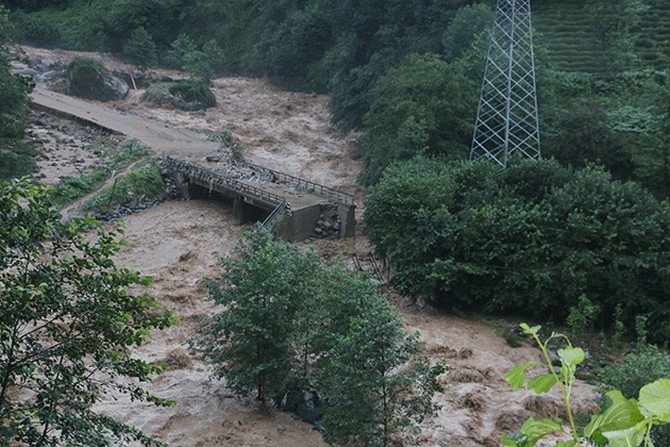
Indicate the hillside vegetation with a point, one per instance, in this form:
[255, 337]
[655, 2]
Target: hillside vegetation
[575, 35]
[408, 74]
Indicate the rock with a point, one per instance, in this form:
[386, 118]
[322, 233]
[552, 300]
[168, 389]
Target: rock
[89, 79]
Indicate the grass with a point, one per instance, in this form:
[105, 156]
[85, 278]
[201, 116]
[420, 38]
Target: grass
[129, 189]
[129, 153]
[72, 188]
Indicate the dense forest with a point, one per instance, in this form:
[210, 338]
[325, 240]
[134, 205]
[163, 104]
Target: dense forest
[408, 73]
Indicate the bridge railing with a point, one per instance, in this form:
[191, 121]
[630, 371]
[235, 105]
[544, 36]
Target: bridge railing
[306, 185]
[211, 179]
[280, 210]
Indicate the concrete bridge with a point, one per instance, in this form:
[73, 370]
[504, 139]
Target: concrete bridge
[291, 206]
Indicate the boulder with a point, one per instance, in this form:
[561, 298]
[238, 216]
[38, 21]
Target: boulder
[89, 79]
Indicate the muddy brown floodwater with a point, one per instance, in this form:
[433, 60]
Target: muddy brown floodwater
[178, 243]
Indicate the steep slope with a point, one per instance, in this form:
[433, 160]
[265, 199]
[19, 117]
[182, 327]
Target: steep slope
[564, 28]
[653, 44]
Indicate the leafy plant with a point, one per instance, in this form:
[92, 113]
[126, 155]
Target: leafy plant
[72, 188]
[128, 189]
[67, 326]
[533, 430]
[621, 422]
[582, 316]
[635, 370]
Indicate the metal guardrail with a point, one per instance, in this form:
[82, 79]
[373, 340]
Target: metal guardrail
[282, 209]
[307, 186]
[211, 179]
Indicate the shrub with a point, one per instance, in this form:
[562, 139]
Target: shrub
[185, 95]
[533, 238]
[72, 188]
[635, 371]
[193, 91]
[129, 189]
[34, 30]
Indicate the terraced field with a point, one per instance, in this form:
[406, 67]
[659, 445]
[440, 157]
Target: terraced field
[653, 45]
[565, 28]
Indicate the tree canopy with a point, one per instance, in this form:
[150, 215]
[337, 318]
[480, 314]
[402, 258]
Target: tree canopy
[291, 318]
[16, 156]
[67, 325]
[533, 238]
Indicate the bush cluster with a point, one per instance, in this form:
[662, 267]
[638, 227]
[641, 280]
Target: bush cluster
[533, 239]
[290, 318]
[633, 372]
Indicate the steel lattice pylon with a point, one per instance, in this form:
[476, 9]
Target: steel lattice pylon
[507, 117]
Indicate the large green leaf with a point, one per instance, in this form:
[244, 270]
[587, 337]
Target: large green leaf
[516, 376]
[655, 399]
[571, 356]
[537, 429]
[542, 384]
[619, 414]
[629, 437]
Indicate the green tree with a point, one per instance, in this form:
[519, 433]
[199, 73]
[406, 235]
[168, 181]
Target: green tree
[140, 49]
[263, 289]
[377, 384]
[290, 318]
[300, 43]
[468, 22]
[67, 326]
[179, 48]
[123, 17]
[16, 156]
[421, 107]
[202, 64]
[586, 136]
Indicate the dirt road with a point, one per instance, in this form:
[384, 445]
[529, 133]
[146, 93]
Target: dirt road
[161, 137]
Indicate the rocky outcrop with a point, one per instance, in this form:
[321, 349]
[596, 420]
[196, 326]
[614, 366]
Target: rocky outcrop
[89, 79]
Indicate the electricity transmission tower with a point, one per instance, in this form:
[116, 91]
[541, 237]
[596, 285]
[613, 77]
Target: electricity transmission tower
[507, 117]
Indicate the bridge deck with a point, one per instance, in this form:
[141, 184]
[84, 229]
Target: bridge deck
[185, 151]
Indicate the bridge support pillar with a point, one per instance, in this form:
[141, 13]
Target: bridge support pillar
[239, 211]
[348, 217]
[182, 185]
